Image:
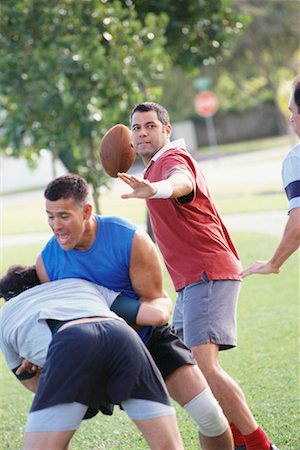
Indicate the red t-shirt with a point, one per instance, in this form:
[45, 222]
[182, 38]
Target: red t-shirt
[191, 235]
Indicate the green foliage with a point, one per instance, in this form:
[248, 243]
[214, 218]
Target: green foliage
[257, 67]
[263, 57]
[69, 71]
[197, 32]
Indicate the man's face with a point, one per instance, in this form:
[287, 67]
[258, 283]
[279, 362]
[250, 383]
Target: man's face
[295, 115]
[68, 222]
[148, 134]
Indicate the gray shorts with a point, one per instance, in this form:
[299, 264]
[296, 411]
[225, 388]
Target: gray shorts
[68, 416]
[205, 311]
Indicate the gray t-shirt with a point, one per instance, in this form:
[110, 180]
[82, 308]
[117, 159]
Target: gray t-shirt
[23, 327]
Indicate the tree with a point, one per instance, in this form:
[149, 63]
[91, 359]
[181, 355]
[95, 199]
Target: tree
[69, 71]
[263, 57]
[197, 31]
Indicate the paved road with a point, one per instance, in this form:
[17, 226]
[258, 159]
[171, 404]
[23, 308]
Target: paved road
[253, 172]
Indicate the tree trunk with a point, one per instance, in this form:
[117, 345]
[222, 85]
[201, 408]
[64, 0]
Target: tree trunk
[149, 228]
[96, 198]
[53, 164]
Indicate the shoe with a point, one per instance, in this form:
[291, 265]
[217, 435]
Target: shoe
[273, 447]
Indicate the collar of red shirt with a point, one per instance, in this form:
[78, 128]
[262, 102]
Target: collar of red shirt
[174, 144]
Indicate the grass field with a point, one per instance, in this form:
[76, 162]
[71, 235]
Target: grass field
[265, 363]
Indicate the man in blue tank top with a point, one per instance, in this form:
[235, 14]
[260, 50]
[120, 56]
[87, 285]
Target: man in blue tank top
[112, 252]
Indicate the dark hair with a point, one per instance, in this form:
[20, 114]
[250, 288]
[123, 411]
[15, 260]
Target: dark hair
[162, 113]
[297, 95]
[17, 279]
[67, 186]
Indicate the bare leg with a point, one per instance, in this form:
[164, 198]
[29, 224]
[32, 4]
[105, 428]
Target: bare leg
[225, 389]
[222, 442]
[185, 384]
[50, 440]
[161, 433]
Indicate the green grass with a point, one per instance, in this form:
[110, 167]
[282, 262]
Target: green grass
[265, 363]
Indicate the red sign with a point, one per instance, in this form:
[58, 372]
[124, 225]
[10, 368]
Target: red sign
[206, 104]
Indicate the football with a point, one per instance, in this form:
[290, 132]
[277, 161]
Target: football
[116, 150]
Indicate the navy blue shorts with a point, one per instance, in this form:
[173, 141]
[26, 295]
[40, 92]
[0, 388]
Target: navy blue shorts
[99, 364]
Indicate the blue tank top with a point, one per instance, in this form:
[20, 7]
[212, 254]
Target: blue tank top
[106, 262]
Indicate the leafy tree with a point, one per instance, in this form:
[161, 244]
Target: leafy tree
[198, 32]
[69, 71]
[263, 57]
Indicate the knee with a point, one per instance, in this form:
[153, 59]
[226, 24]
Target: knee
[207, 413]
[209, 367]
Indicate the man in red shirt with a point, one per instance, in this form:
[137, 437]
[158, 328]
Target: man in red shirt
[200, 257]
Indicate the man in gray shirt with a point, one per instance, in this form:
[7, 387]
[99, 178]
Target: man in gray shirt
[92, 361]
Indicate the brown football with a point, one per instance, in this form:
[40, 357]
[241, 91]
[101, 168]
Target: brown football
[116, 150]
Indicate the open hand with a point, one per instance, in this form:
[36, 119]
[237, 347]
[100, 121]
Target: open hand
[260, 267]
[140, 188]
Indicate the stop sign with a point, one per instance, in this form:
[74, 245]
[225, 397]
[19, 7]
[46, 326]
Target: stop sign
[206, 104]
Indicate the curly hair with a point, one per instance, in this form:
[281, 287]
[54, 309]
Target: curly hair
[17, 279]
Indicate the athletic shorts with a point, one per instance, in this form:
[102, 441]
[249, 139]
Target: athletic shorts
[168, 350]
[206, 312]
[68, 416]
[98, 364]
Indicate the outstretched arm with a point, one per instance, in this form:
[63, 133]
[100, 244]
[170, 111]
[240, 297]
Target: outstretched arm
[177, 185]
[288, 245]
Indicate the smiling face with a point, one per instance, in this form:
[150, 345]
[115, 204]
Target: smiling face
[149, 135]
[70, 223]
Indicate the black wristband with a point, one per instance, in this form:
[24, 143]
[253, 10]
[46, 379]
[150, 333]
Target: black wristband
[127, 308]
[24, 375]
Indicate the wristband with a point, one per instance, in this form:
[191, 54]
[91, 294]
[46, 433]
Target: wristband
[24, 375]
[127, 308]
[164, 189]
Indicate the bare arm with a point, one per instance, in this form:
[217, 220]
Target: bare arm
[181, 183]
[288, 245]
[153, 307]
[155, 312]
[145, 270]
[32, 383]
[40, 270]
